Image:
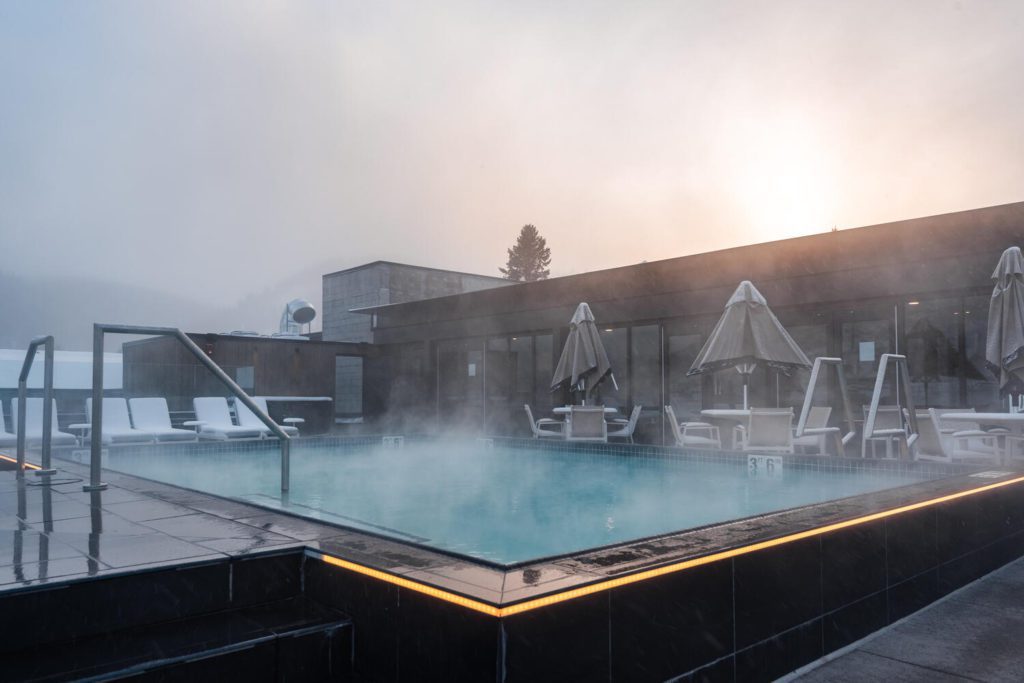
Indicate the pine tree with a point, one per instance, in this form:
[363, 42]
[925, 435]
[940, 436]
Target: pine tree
[529, 257]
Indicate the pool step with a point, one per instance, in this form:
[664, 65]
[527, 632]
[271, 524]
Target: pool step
[242, 618]
[293, 639]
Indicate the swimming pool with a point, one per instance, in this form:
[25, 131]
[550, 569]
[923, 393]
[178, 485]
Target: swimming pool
[503, 504]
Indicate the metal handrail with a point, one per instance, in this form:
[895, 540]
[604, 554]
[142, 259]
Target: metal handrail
[26, 366]
[96, 439]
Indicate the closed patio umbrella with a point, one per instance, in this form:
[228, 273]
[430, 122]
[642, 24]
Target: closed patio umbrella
[748, 333]
[1004, 347]
[583, 363]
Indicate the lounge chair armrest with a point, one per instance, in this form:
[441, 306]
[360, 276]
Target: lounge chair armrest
[194, 423]
[294, 420]
[80, 425]
[821, 430]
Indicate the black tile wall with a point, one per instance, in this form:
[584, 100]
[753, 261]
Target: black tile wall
[567, 641]
[373, 606]
[90, 607]
[913, 594]
[780, 654]
[665, 627]
[264, 578]
[854, 621]
[439, 641]
[776, 589]
[910, 544]
[722, 671]
[852, 564]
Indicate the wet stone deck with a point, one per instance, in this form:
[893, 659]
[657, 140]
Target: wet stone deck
[975, 634]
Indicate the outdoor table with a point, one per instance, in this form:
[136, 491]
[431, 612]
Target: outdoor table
[1011, 421]
[565, 410]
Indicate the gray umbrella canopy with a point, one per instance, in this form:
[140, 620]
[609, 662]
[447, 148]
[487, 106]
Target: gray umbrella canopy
[584, 362]
[1004, 348]
[748, 333]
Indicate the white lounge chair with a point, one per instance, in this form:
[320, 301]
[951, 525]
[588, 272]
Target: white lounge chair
[150, 415]
[817, 419]
[888, 429]
[247, 418]
[586, 423]
[544, 427]
[213, 413]
[117, 425]
[34, 423]
[769, 430]
[626, 427]
[693, 434]
[972, 445]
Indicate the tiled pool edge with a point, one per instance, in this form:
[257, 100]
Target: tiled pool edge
[755, 614]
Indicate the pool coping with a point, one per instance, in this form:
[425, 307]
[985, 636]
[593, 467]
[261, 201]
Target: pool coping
[504, 591]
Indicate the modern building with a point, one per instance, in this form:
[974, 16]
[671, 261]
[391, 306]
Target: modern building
[921, 287]
[377, 284]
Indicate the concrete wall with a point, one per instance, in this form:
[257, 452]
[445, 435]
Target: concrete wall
[382, 283]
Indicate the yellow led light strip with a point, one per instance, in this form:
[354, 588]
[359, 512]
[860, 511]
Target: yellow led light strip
[650, 573]
[27, 465]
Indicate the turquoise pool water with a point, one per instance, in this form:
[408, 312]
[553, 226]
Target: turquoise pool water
[503, 505]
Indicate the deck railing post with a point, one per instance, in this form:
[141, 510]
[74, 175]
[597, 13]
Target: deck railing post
[47, 435]
[96, 420]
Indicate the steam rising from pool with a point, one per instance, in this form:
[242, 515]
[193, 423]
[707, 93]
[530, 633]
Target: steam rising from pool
[501, 504]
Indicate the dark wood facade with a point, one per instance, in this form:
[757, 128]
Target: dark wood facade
[849, 293]
[263, 366]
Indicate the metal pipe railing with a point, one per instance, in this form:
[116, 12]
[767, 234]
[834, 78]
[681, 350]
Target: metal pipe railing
[47, 436]
[96, 443]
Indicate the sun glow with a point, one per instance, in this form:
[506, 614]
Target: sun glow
[783, 178]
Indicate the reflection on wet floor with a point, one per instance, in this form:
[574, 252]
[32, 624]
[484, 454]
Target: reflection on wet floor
[52, 530]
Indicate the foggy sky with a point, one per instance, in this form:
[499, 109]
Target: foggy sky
[211, 149]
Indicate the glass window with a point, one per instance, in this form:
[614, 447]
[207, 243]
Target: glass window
[614, 340]
[812, 338]
[864, 336]
[543, 397]
[684, 393]
[646, 366]
[981, 385]
[348, 385]
[933, 352]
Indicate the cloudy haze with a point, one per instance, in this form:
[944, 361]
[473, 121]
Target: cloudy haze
[213, 149]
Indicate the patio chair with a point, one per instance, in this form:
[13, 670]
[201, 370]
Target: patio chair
[817, 419]
[6, 438]
[543, 428]
[34, 423]
[625, 428]
[150, 415]
[969, 445]
[586, 423]
[888, 429]
[247, 418]
[769, 429]
[213, 413]
[117, 424]
[693, 434]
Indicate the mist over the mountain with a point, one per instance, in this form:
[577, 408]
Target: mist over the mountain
[67, 308]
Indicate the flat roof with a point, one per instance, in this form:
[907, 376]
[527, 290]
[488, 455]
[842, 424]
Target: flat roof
[413, 267]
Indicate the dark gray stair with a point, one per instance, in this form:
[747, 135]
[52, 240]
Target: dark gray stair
[240, 619]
